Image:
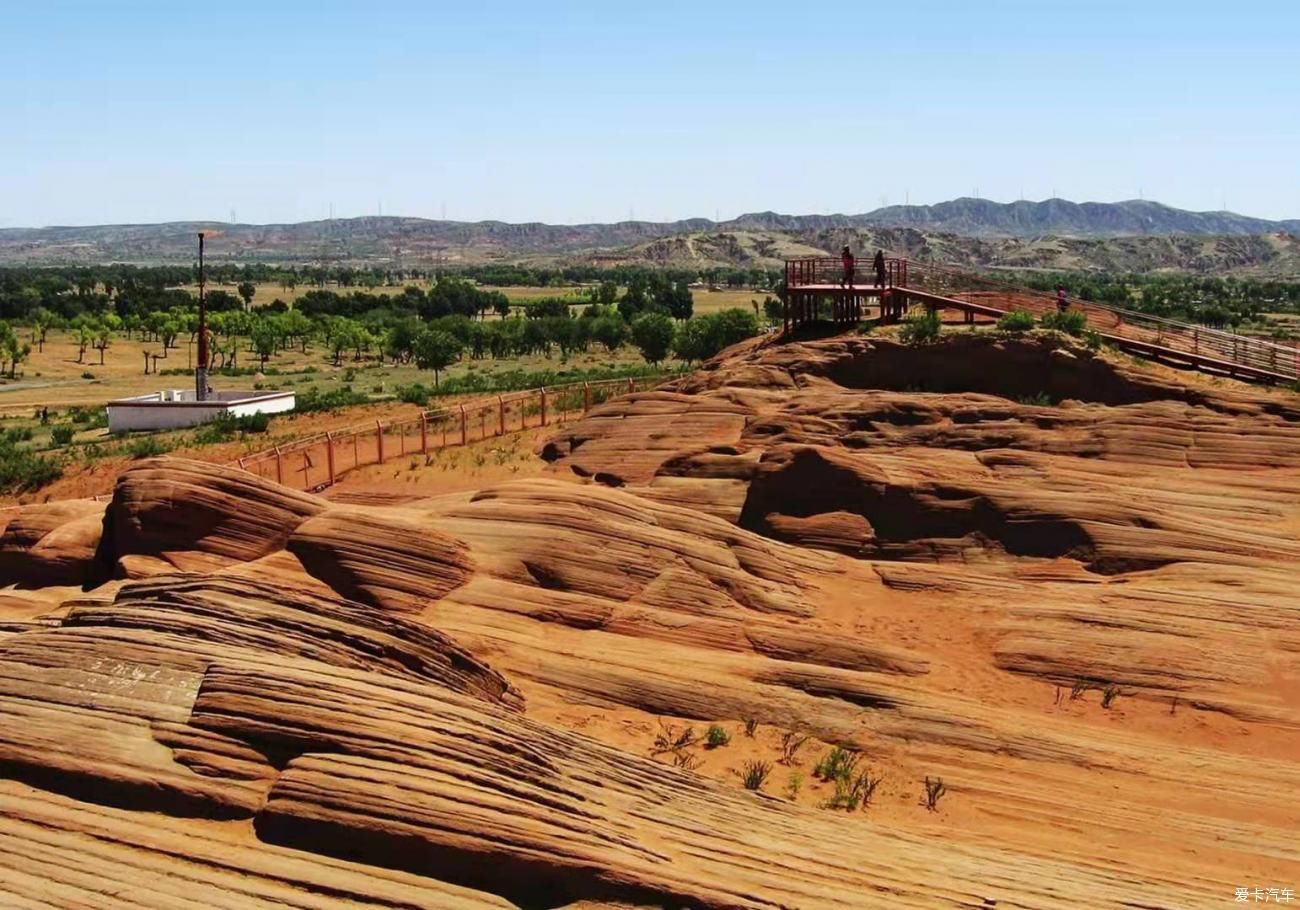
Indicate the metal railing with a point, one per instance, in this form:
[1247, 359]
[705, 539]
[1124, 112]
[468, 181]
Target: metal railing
[316, 462]
[1200, 342]
[824, 270]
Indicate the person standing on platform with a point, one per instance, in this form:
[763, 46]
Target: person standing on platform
[850, 267]
[879, 265]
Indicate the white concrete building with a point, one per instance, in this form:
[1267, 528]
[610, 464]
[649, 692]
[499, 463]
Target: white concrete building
[172, 409]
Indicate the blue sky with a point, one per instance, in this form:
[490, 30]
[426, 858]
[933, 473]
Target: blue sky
[570, 112]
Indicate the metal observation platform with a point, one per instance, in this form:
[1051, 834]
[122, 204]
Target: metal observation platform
[817, 290]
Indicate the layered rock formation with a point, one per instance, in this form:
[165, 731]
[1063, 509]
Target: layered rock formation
[219, 693]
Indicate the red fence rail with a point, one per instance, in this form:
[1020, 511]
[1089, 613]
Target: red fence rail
[316, 462]
[1259, 356]
[1203, 346]
[824, 270]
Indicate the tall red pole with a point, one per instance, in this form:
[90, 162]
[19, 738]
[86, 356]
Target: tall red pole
[201, 370]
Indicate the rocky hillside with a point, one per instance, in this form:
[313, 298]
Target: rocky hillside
[985, 623]
[1262, 256]
[1099, 231]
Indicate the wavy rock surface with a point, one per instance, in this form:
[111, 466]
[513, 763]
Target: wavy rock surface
[215, 692]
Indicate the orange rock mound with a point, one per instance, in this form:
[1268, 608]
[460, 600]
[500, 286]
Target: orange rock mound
[215, 692]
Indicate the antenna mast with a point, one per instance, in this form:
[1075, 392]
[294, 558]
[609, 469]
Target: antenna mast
[201, 369]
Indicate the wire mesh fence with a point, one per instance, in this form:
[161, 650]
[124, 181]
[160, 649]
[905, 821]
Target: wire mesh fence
[316, 462]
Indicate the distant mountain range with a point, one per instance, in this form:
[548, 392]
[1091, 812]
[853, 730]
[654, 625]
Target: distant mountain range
[409, 241]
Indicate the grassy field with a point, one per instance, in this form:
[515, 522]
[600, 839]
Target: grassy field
[54, 379]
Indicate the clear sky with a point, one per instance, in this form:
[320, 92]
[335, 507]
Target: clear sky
[140, 111]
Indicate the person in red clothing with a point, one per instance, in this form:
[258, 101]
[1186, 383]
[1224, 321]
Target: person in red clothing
[850, 267]
[879, 265]
[1062, 303]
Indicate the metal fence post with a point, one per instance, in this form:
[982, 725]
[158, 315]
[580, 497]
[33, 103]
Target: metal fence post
[464, 428]
[279, 466]
[424, 432]
[329, 455]
[543, 391]
[586, 397]
[379, 430]
[501, 415]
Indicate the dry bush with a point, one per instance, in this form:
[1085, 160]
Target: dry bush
[791, 743]
[934, 791]
[755, 774]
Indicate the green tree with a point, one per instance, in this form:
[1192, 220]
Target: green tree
[436, 350]
[246, 290]
[342, 334]
[727, 327]
[605, 293]
[610, 331]
[16, 351]
[676, 298]
[265, 337]
[652, 333]
[103, 338]
[41, 321]
[298, 326]
[773, 310]
[85, 337]
[692, 342]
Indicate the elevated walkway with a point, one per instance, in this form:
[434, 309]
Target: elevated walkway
[815, 291]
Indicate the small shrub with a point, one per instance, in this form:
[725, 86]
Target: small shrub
[920, 329]
[87, 375]
[1039, 399]
[865, 786]
[253, 423]
[716, 737]
[1080, 686]
[224, 428]
[313, 400]
[791, 743]
[1109, 694]
[687, 761]
[755, 774]
[61, 436]
[793, 785]
[751, 725]
[1071, 322]
[416, 394]
[1019, 321]
[836, 764]
[934, 791]
[147, 447]
[1092, 341]
[670, 739]
[22, 470]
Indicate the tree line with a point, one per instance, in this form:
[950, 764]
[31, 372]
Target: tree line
[71, 291]
[431, 328]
